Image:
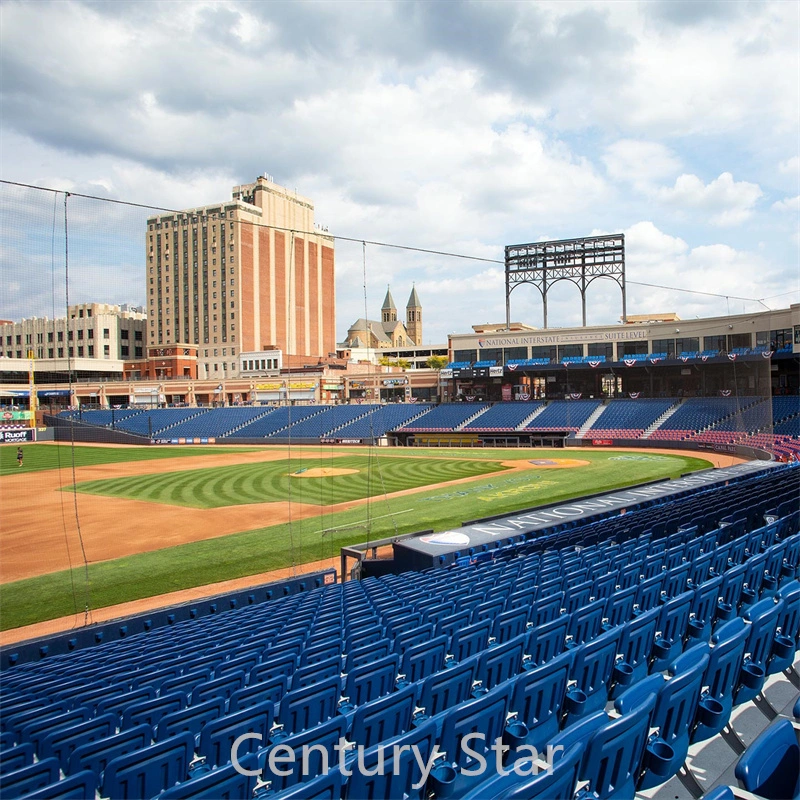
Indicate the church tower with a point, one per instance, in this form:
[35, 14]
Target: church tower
[414, 317]
[389, 310]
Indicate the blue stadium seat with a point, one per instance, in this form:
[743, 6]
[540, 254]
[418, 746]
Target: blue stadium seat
[770, 767]
[385, 717]
[20, 782]
[218, 735]
[95, 755]
[16, 757]
[148, 771]
[191, 719]
[219, 784]
[445, 689]
[371, 681]
[61, 743]
[323, 787]
[150, 712]
[501, 663]
[305, 708]
[401, 776]
[593, 670]
[270, 691]
[548, 640]
[73, 787]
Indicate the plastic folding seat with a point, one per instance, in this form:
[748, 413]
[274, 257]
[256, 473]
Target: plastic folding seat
[23, 781]
[577, 597]
[219, 784]
[449, 625]
[423, 659]
[445, 689]
[509, 624]
[585, 623]
[23, 704]
[73, 787]
[501, 663]
[304, 708]
[522, 598]
[218, 735]
[770, 767]
[364, 655]
[763, 618]
[187, 681]
[537, 698]
[483, 720]
[548, 640]
[150, 712]
[605, 585]
[546, 609]
[318, 671]
[191, 719]
[322, 651]
[673, 624]
[673, 717]
[370, 681]
[401, 775]
[244, 662]
[383, 718]
[17, 757]
[150, 770]
[116, 705]
[653, 564]
[636, 646]
[436, 612]
[270, 691]
[62, 742]
[18, 721]
[154, 678]
[731, 595]
[620, 606]
[787, 633]
[222, 687]
[470, 640]
[700, 567]
[556, 783]
[704, 609]
[414, 636]
[648, 593]
[676, 580]
[721, 678]
[593, 671]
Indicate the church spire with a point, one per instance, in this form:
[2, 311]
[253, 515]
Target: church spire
[389, 309]
[414, 317]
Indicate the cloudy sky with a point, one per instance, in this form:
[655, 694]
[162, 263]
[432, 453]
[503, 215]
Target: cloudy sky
[451, 126]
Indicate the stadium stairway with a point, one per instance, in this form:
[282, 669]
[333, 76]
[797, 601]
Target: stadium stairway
[476, 415]
[527, 421]
[368, 409]
[661, 420]
[200, 412]
[244, 424]
[581, 432]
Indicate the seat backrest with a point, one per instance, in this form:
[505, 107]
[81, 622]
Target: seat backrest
[19, 782]
[636, 641]
[498, 664]
[509, 624]
[547, 640]
[271, 690]
[310, 674]
[73, 787]
[304, 708]
[12, 758]
[61, 743]
[321, 755]
[191, 719]
[789, 618]
[279, 664]
[371, 681]
[222, 687]
[225, 783]
[764, 618]
[151, 770]
[558, 782]
[385, 717]
[448, 687]
[424, 659]
[614, 753]
[537, 698]
[484, 717]
[770, 767]
[546, 608]
[584, 623]
[218, 735]
[593, 665]
[401, 770]
[363, 654]
[323, 787]
[95, 755]
[149, 712]
[471, 639]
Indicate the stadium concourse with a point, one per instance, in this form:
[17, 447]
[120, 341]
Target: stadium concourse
[648, 637]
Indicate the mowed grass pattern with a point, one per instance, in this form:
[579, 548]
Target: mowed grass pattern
[271, 481]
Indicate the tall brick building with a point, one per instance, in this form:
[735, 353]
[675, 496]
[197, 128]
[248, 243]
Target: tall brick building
[249, 274]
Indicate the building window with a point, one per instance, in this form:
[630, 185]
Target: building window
[91, 333]
[106, 333]
[106, 350]
[50, 352]
[91, 351]
[80, 351]
[61, 352]
[80, 333]
[137, 335]
[138, 352]
[124, 349]
[39, 338]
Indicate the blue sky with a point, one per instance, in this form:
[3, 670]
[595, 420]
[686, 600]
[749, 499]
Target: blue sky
[453, 126]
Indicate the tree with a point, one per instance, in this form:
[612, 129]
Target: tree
[436, 362]
[403, 363]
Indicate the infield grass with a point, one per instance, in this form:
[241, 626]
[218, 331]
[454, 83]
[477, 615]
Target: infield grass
[273, 547]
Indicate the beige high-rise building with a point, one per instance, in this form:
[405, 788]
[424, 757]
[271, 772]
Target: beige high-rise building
[250, 274]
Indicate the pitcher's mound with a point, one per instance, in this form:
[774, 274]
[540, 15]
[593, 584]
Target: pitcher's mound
[547, 463]
[322, 472]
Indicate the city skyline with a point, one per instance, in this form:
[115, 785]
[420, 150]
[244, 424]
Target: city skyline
[460, 128]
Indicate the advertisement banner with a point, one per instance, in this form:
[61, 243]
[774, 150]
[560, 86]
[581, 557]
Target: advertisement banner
[495, 372]
[506, 391]
[445, 373]
[9, 416]
[602, 442]
[17, 437]
[269, 387]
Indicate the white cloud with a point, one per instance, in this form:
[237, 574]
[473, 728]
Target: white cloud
[790, 167]
[727, 202]
[640, 162]
[788, 204]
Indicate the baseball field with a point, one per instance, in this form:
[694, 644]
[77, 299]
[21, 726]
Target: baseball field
[93, 526]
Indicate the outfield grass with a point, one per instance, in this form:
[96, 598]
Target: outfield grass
[252, 552]
[39, 457]
[271, 481]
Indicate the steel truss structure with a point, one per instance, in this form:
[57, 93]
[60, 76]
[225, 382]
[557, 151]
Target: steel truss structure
[579, 261]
